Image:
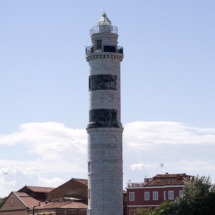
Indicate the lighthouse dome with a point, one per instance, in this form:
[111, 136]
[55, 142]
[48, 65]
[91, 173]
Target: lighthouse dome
[104, 20]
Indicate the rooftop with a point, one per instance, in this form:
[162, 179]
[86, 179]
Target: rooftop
[64, 204]
[38, 189]
[169, 179]
[104, 20]
[164, 180]
[28, 200]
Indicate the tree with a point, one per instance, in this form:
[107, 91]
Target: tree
[2, 200]
[144, 211]
[204, 205]
[198, 198]
[164, 208]
[192, 194]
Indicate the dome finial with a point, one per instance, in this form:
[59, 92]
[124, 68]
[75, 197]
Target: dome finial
[104, 20]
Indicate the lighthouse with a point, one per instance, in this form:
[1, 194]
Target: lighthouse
[105, 171]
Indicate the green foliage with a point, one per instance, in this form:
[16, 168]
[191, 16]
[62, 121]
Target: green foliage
[198, 198]
[144, 211]
[204, 205]
[192, 194]
[164, 208]
[2, 200]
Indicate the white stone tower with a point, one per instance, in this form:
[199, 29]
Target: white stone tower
[105, 172]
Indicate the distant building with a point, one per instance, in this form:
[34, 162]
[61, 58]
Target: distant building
[17, 203]
[153, 191]
[70, 198]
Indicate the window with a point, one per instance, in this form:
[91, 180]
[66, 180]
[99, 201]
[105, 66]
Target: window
[171, 195]
[146, 195]
[131, 196]
[164, 195]
[131, 212]
[88, 193]
[155, 195]
[98, 44]
[180, 192]
[88, 167]
[109, 49]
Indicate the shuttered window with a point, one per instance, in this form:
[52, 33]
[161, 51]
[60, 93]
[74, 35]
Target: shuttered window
[146, 196]
[171, 195]
[155, 195]
[131, 196]
[164, 195]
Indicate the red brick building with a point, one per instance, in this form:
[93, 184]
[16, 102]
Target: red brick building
[153, 191]
[18, 203]
[70, 198]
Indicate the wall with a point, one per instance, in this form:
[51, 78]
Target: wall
[15, 208]
[139, 196]
[71, 188]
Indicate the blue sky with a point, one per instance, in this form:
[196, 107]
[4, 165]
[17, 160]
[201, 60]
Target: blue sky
[168, 75]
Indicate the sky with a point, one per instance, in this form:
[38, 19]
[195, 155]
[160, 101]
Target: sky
[167, 81]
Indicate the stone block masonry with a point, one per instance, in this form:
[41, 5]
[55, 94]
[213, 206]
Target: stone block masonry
[105, 172]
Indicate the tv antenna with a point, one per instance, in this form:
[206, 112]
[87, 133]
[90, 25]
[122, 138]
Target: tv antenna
[162, 166]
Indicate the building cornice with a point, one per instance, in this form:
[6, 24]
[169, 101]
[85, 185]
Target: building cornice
[139, 206]
[105, 129]
[100, 55]
[154, 187]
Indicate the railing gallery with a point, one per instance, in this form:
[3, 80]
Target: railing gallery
[136, 184]
[116, 49]
[104, 29]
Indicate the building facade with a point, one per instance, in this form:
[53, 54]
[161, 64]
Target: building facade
[153, 191]
[70, 198]
[18, 203]
[105, 181]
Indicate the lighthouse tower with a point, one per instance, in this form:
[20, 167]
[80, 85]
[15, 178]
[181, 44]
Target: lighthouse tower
[105, 172]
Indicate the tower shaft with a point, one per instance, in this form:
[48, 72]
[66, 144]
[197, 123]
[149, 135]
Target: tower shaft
[105, 172]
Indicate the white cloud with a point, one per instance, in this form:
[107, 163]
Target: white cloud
[52, 142]
[193, 165]
[12, 179]
[146, 135]
[181, 147]
[58, 149]
[140, 166]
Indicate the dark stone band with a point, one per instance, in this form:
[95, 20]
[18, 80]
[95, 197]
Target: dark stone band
[99, 118]
[102, 82]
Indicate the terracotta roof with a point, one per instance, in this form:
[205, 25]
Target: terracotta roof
[83, 181]
[38, 189]
[124, 192]
[64, 204]
[28, 200]
[169, 179]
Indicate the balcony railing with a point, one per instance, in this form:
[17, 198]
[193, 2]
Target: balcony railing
[104, 29]
[116, 49]
[141, 184]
